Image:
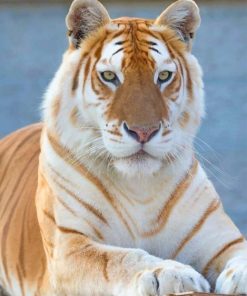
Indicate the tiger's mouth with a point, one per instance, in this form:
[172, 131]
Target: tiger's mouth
[141, 155]
[140, 163]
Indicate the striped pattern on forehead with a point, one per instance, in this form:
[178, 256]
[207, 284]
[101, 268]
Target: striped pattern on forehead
[131, 39]
[135, 43]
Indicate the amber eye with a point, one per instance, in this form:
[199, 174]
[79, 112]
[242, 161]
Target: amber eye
[164, 76]
[109, 76]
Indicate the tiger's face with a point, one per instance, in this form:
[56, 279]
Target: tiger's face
[137, 83]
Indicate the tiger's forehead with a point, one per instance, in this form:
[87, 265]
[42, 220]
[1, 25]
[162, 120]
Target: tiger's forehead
[134, 42]
[139, 29]
[130, 21]
[133, 25]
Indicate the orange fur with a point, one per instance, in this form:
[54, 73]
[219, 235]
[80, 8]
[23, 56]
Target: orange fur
[71, 227]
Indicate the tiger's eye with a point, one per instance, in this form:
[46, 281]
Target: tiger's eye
[164, 76]
[109, 76]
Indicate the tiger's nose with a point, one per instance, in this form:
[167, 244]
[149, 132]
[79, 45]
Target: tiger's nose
[142, 134]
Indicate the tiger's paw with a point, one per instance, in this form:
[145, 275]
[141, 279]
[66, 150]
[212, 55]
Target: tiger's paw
[172, 277]
[233, 279]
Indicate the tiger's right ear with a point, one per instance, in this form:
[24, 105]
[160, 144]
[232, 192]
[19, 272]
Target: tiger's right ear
[84, 17]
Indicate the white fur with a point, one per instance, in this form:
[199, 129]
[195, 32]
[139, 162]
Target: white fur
[233, 280]
[140, 186]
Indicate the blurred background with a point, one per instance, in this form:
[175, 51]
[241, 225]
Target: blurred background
[33, 39]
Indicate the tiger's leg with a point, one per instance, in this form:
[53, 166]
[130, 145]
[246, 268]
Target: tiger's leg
[229, 261]
[219, 249]
[233, 279]
[79, 266]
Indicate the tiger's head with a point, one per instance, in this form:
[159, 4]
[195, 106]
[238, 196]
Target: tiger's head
[129, 91]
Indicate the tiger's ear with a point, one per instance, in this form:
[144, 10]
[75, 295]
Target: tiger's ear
[84, 17]
[182, 16]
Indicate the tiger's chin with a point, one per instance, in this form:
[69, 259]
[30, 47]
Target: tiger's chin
[138, 165]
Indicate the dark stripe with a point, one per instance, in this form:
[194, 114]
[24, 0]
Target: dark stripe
[93, 82]
[59, 200]
[166, 132]
[86, 205]
[117, 34]
[115, 132]
[20, 144]
[94, 229]
[68, 208]
[22, 240]
[12, 210]
[149, 33]
[98, 233]
[105, 265]
[98, 50]
[120, 42]
[97, 55]
[49, 216]
[86, 72]
[170, 49]
[189, 80]
[61, 151]
[57, 175]
[80, 250]
[220, 252]
[154, 49]
[149, 42]
[214, 205]
[174, 198]
[69, 231]
[19, 275]
[77, 72]
[76, 77]
[120, 49]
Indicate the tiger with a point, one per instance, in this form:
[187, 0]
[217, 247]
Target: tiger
[106, 196]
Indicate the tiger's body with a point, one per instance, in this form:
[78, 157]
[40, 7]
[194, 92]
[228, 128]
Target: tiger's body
[19, 158]
[118, 192]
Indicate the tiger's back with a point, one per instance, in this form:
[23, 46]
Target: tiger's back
[21, 251]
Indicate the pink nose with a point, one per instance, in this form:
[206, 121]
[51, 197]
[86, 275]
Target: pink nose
[142, 134]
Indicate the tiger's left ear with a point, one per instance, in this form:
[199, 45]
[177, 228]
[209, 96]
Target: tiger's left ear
[85, 17]
[183, 16]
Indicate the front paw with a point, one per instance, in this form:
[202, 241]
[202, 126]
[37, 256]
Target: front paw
[170, 277]
[233, 279]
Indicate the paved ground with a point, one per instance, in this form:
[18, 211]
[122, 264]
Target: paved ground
[33, 40]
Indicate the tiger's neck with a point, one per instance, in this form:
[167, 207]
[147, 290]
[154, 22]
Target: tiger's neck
[55, 155]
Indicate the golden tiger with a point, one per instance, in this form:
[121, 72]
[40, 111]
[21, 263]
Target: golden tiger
[112, 200]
